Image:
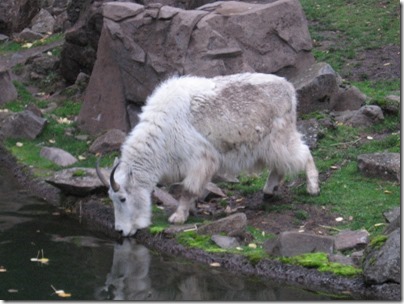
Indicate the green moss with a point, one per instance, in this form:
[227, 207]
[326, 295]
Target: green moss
[319, 260]
[79, 173]
[195, 240]
[378, 241]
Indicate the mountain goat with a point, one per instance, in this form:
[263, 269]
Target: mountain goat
[192, 128]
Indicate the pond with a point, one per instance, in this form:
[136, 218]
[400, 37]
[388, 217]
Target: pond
[42, 251]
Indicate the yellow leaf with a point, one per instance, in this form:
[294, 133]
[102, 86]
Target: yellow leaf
[387, 192]
[252, 245]
[215, 264]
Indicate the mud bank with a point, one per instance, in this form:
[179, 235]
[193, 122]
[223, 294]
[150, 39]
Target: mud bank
[98, 217]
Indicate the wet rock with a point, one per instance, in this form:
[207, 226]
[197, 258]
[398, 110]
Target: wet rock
[58, 156]
[380, 165]
[349, 239]
[357, 257]
[43, 22]
[108, 142]
[291, 243]
[4, 38]
[315, 87]
[348, 98]
[77, 181]
[30, 35]
[7, 88]
[216, 39]
[24, 124]
[366, 116]
[234, 224]
[311, 130]
[382, 265]
[225, 242]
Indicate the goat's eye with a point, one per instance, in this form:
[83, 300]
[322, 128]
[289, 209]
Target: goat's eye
[122, 199]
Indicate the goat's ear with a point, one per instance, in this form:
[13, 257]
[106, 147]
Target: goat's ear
[116, 161]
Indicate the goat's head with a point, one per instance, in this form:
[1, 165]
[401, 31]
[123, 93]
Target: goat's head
[132, 206]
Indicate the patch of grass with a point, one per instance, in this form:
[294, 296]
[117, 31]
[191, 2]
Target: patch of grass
[79, 173]
[16, 46]
[378, 241]
[319, 260]
[378, 90]
[357, 25]
[248, 183]
[195, 240]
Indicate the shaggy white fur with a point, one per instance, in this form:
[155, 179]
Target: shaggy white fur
[192, 128]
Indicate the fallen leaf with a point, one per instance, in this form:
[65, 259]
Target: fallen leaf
[52, 141]
[387, 192]
[12, 290]
[239, 248]
[339, 219]
[19, 144]
[215, 264]
[252, 245]
[369, 137]
[334, 167]
[27, 45]
[2, 269]
[301, 230]
[81, 157]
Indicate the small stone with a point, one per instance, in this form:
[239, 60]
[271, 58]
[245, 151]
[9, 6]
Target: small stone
[225, 242]
[348, 239]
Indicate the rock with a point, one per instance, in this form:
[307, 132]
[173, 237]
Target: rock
[231, 225]
[159, 41]
[357, 258]
[366, 116]
[77, 181]
[392, 214]
[15, 15]
[29, 35]
[382, 265]
[341, 259]
[348, 239]
[291, 243]
[44, 64]
[395, 224]
[43, 22]
[175, 229]
[58, 156]
[315, 87]
[4, 38]
[24, 124]
[61, 23]
[348, 98]
[133, 113]
[109, 141]
[392, 105]
[380, 165]
[7, 88]
[311, 130]
[225, 242]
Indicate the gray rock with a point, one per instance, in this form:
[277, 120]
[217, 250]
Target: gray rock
[357, 257]
[383, 264]
[366, 116]
[348, 239]
[315, 87]
[218, 39]
[311, 130]
[43, 22]
[392, 105]
[22, 125]
[109, 141]
[7, 88]
[44, 64]
[395, 224]
[348, 98]
[225, 242]
[58, 156]
[291, 243]
[380, 165]
[341, 259]
[15, 15]
[30, 35]
[231, 225]
[392, 214]
[4, 38]
[77, 181]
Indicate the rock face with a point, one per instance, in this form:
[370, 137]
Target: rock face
[384, 264]
[15, 15]
[380, 165]
[7, 89]
[159, 41]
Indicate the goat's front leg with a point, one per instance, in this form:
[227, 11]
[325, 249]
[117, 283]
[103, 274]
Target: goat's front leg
[272, 183]
[187, 202]
[312, 177]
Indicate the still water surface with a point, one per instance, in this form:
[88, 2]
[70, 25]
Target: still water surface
[87, 266]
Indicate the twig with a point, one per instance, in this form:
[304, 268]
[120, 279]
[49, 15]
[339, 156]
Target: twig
[346, 143]
[329, 227]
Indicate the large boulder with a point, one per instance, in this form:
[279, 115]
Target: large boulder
[158, 41]
[380, 165]
[15, 15]
[25, 124]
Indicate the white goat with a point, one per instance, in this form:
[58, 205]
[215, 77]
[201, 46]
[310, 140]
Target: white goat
[192, 128]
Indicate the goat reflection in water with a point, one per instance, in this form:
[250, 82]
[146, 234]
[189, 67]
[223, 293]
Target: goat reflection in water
[137, 275]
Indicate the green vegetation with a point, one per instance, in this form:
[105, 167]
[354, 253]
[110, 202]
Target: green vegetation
[319, 260]
[14, 46]
[354, 26]
[378, 241]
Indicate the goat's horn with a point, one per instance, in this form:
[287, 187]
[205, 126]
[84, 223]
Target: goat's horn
[114, 185]
[100, 175]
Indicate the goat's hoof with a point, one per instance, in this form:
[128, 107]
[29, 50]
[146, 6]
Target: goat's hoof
[314, 191]
[178, 218]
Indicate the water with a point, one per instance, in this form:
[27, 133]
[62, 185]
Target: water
[88, 266]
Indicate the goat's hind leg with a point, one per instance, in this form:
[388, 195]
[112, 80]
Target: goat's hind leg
[187, 202]
[312, 177]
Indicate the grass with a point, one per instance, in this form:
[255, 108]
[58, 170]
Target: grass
[357, 25]
[17, 46]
